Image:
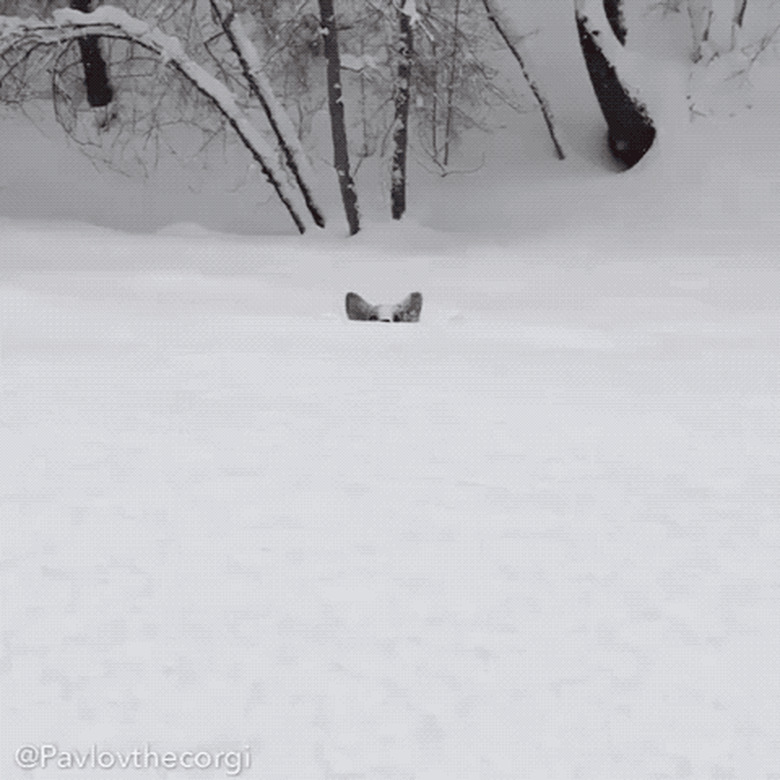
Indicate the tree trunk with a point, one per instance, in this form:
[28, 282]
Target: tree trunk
[514, 44]
[740, 6]
[99, 90]
[259, 86]
[614, 11]
[435, 103]
[337, 123]
[401, 121]
[451, 84]
[631, 131]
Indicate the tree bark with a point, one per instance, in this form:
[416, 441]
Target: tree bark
[630, 130]
[614, 11]
[337, 123]
[99, 90]
[401, 121]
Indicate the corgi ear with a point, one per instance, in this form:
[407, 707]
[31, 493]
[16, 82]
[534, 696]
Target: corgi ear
[409, 309]
[359, 309]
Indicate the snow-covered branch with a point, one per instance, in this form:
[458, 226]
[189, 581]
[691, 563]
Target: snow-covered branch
[409, 9]
[631, 131]
[330, 38]
[280, 123]
[111, 22]
[700, 13]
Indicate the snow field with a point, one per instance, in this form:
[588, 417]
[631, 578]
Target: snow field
[533, 536]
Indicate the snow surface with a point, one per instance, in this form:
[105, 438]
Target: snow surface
[535, 535]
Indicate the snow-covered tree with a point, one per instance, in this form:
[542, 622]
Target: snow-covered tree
[22, 36]
[700, 13]
[456, 84]
[630, 129]
[404, 80]
[407, 17]
[716, 25]
[288, 38]
[617, 21]
[161, 79]
[260, 87]
[337, 122]
[99, 90]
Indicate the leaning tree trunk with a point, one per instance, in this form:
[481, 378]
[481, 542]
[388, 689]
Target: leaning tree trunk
[514, 42]
[451, 83]
[337, 123]
[260, 87]
[67, 25]
[401, 121]
[99, 91]
[614, 11]
[171, 52]
[630, 130]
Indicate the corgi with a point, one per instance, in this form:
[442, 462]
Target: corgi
[406, 311]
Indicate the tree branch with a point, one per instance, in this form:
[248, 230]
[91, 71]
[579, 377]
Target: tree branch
[282, 128]
[110, 22]
[514, 45]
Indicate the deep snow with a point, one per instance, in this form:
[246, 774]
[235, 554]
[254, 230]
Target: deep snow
[535, 535]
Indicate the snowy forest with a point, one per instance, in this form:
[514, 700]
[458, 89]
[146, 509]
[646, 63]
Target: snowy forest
[389, 389]
[136, 85]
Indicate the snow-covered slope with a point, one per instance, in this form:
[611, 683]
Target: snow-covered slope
[533, 536]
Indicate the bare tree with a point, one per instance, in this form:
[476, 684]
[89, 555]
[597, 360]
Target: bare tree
[454, 83]
[451, 82]
[260, 88]
[401, 101]
[25, 36]
[514, 43]
[99, 91]
[337, 123]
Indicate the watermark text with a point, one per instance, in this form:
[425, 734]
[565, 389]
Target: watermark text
[50, 756]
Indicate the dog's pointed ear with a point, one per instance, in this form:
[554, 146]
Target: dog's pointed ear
[358, 308]
[409, 309]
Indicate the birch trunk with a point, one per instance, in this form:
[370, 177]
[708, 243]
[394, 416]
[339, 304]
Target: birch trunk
[401, 122]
